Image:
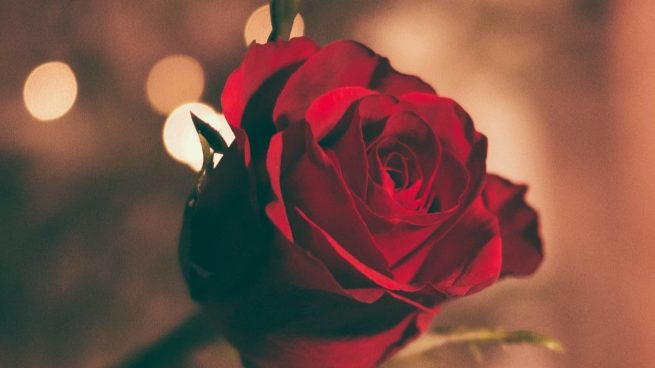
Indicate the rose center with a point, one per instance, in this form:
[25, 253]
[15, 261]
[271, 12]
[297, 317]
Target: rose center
[396, 167]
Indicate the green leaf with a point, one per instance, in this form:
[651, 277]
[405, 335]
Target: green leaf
[496, 336]
[476, 337]
[283, 12]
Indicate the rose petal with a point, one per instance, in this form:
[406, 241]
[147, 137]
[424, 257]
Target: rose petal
[522, 250]
[448, 218]
[335, 111]
[400, 234]
[468, 258]
[412, 131]
[328, 109]
[383, 153]
[350, 154]
[387, 80]
[396, 238]
[301, 268]
[374, 109]
[382, 203]
[452, 187]
[448, 120]
[451, 184]
[347, 259]
[277, 156]
[309, 181]
[368, 350]
[259, 64]
[339, 64]
[310, 237]
[480, 273]
[251, 90]
[397, 166]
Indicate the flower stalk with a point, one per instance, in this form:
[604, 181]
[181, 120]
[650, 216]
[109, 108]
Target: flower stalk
[175, 348]
[283, 12]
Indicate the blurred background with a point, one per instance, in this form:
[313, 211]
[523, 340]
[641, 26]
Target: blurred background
[96, 160]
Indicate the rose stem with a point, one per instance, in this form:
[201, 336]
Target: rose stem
[283, 12]
[174, 348]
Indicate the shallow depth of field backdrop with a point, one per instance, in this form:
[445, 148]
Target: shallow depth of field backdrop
[91, 202]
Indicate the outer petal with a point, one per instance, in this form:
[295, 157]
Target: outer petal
[286, 350]
[342, 259]
[252, 89]
[298, 267]
[468, 258]
[389, 81]
[522, 250]
[328, 109]
[339, 64]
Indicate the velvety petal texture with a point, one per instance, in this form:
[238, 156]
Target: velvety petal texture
[367, 350]
[339, 64]
[364, 204]
[522, 248]
[251, 90]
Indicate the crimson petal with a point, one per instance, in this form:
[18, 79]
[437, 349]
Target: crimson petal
[328, 109]
[309, 181]
[339, 64]
[301, 268]
[387, 80]
[251, 90]
[468, 258]
[286, 350]
[411, 130]
[450, 123]
[522, 250]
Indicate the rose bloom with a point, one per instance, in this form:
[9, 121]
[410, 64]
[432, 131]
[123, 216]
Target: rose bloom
[352, 204]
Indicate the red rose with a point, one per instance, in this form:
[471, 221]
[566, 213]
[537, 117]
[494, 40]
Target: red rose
[354, 202]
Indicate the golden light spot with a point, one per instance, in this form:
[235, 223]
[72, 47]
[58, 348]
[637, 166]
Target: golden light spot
[258, 26]
[50, 90]
[180, 136]
[174, 80]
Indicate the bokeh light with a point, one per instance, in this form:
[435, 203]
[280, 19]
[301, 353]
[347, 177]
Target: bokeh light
[174, 80]
[50, 90]
[258, 26]
[180, 136]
